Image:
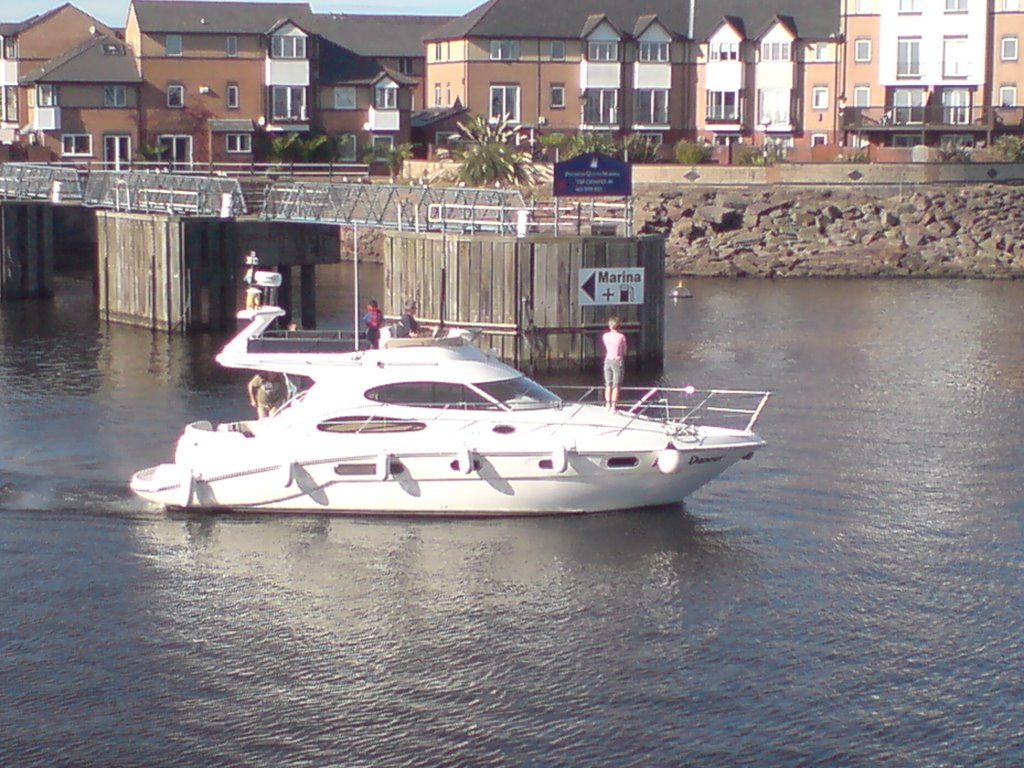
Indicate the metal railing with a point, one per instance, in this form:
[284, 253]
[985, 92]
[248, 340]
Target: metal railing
[895, 118]
[735, 408]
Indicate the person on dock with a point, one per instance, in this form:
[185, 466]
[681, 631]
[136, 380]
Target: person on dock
[408, 325]
[267, 392]
[373, 320]
[614, 362]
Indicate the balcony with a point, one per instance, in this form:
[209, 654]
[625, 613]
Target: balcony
[384, 119]
[731, 115]
[895, 119]
[46, 119]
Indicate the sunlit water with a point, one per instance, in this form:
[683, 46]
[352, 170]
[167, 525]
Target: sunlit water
[851, 597]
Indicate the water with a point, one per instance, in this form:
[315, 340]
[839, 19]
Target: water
[851, 597]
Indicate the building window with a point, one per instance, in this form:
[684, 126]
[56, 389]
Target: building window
[382, 145]
[651, 107]
[558, 50]
[956, 6]
[862, 50]
[956, 106]
[1008, 48]
[345, 97]
[172, 45]
[288, 102]
[385, 96]
[113, 49]
[603, 50]
[437, 52]
[233, 97]
[725, 51]
[239, 143]
[777, 50]
[819, 97]
[908, 106]
[819, 51]
[347, 147]
[910, 6]
[955, 54]
[863, 6]
[773, 106]
[558, 95]
[405, 65]
[287, 47]
[76, 144]
[231, 45]
[46, 95]
[437, 94]
[10, 103]
[175, 95]
[819, 139]
[504, 50]
[908, 57]
[1008, 96]
[653, 51]
[862, 96]
[601, 107]
[1011, 5]
[723, 106]
[10, 48]
[505, 103]
[115, 96]
[447, 94]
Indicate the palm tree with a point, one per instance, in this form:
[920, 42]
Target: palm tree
[396, 157]
[487, 155]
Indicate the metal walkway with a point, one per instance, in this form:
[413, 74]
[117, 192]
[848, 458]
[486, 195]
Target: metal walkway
[378, 206]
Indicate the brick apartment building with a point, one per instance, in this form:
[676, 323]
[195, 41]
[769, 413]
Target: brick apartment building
[215, 81]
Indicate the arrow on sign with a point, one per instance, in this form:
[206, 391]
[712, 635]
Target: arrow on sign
[589, 286]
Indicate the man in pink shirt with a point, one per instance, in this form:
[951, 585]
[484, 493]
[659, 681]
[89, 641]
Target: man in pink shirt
[614, 362]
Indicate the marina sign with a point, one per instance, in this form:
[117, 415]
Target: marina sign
[593, 175]
[611, 285]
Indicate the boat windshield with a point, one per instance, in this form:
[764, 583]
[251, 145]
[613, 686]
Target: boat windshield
[520, 393]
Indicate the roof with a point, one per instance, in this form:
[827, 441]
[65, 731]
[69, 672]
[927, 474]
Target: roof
[814, 19]
[101, 59]
[339, 65]
[14, 27]
[379, 35]
[431, 115]
[201, 16]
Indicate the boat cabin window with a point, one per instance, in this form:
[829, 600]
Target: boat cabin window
[520, 392]
[430, 394]
[371, 425]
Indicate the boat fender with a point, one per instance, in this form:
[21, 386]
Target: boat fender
[286, 473]
[670, 461]
[560, 459]
[187, 487]
[383, 465]
[465, 461]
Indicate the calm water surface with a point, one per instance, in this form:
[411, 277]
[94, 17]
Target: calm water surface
[851, 597]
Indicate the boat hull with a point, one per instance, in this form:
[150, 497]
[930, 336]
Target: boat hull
[459, 484]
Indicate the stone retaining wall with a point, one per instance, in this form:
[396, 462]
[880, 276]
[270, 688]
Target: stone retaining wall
[936, 231]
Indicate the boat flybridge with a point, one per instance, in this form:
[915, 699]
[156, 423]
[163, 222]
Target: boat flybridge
[436, 426]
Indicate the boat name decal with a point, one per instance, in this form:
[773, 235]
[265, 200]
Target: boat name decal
[705, 459]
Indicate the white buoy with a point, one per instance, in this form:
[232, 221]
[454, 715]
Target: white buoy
[670, 461]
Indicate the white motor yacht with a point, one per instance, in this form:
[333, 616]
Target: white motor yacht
[436, 426]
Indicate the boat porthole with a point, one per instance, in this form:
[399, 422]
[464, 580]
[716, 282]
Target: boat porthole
[546, 464]
[622, 462]
[455, 465]
[504, 429]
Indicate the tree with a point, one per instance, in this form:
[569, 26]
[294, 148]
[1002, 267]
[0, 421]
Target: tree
[396, 157]
[487, 155]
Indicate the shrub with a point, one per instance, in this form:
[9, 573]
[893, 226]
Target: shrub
[1010, 148]
[691, 153]
[637, 148]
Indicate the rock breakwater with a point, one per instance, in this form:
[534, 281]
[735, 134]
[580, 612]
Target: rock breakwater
[940, 231]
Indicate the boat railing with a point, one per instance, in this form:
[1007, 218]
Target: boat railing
[739, 408]
[306, 341]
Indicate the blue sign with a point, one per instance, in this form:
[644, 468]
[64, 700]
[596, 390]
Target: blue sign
[593, 175]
